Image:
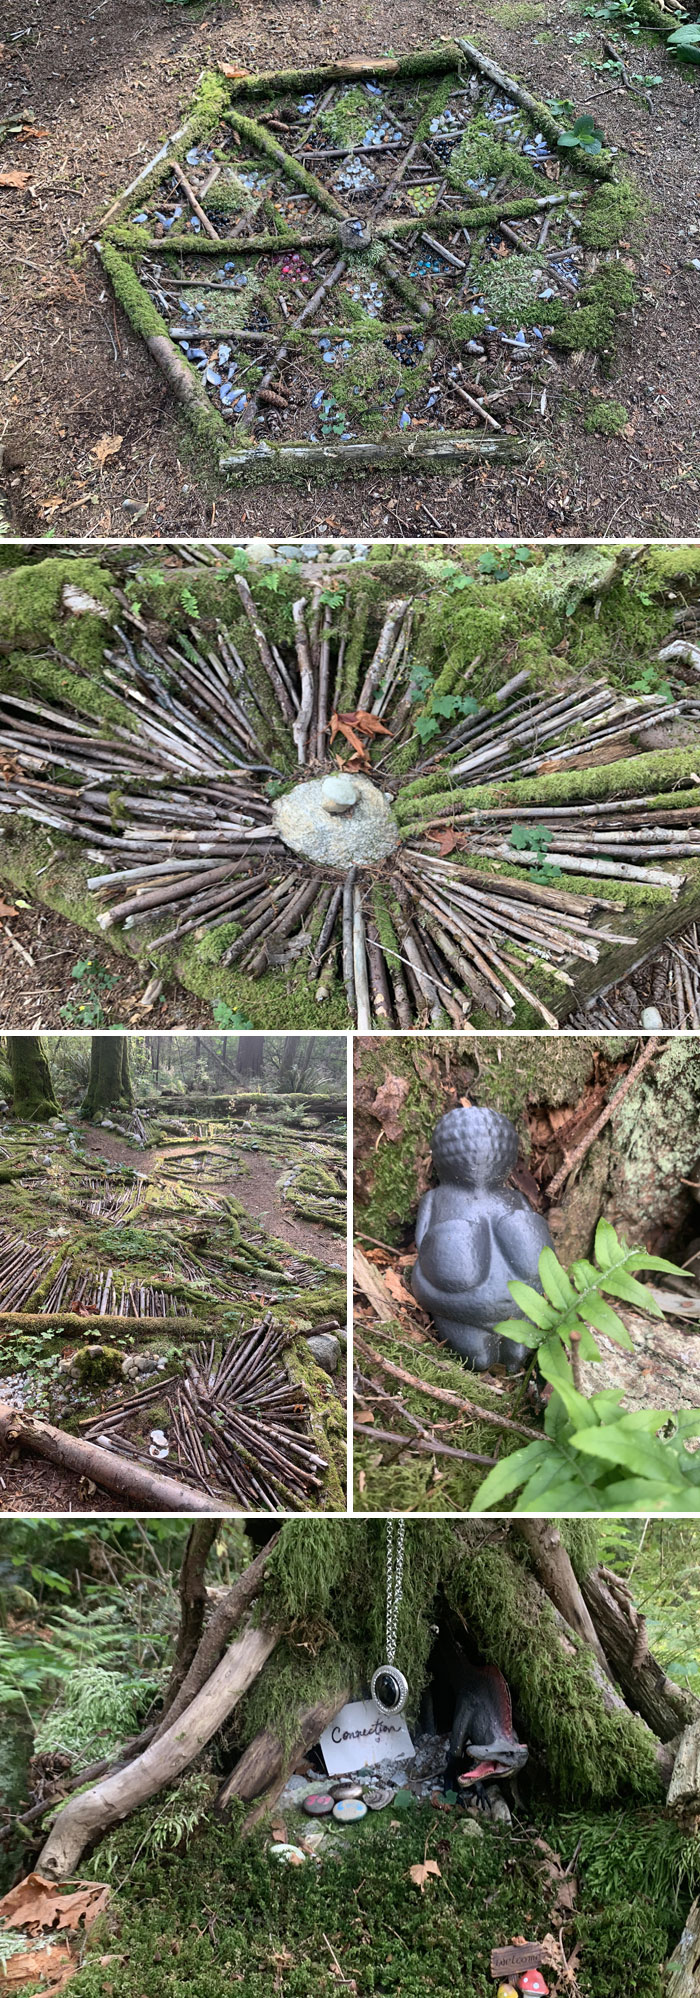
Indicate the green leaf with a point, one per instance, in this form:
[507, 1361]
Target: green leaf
[621, 1284]
[535, 1306]
[506, 1476]
[606, 1321]
[554, 1280]
[518, 1328]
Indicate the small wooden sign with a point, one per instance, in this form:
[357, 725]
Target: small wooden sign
[520, 1956]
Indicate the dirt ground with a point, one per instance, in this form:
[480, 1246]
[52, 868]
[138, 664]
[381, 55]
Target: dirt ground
[38, 951]
[105, 83]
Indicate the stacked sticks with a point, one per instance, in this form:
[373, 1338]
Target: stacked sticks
[22, 1268]
[238, 1425]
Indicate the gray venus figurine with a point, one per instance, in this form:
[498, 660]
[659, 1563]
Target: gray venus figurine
[473, 1235]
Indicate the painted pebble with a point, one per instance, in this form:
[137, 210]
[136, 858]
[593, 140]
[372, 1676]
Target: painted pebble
[349, 1809]
[318, 1804]
[341, 1790]
[376, 1800]
[291, 1855]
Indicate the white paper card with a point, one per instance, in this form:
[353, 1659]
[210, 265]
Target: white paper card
[360, 1736]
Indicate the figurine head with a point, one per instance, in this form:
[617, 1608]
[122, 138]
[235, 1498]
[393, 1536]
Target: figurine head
[474, 1147]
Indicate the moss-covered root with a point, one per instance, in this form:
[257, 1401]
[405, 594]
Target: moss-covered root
[33, 1097]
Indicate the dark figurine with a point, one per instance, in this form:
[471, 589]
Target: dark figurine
[483, 1744]
[473, 1234]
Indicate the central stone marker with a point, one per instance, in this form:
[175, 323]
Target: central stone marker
[340, 820]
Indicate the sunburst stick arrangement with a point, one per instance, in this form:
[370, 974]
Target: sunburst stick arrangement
[288, 804]
[372, 262]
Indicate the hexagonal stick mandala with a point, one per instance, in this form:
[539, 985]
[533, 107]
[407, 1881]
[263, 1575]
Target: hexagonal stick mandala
[370, 263]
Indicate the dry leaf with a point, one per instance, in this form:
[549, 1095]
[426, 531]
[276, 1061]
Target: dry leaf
[16, 177]
[420, 1873]
[387, 1104]
[364, 1415]
[36, 1904]
[6, 909]
[106, 447]
[53, 1966]
[397, 1288]
[229, 69]
[445, 841]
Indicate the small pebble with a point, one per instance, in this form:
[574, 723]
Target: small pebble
[376, 1800]
[318, 1805]
[349, 1810]
[341, 1790]
[651, 1020]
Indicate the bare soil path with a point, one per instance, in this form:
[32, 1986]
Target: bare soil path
[105, 82]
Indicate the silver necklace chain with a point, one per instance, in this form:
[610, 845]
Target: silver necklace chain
[394, 1582]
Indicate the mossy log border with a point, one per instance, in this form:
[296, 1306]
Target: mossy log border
[218, 98]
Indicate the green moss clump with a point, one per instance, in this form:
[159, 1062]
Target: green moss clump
[479, 156]
[606, 419]
[510, 287]
[95, 1366]
[615, 213]
[592, 324]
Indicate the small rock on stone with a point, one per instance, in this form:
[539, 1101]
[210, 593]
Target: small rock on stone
[651, 1020]
[325, 1350]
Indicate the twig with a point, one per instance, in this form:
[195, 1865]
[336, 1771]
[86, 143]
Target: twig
[580, 1150]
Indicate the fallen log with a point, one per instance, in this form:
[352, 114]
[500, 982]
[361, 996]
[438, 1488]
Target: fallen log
[126, 1480]
[666, 1707]
[215, 1637]
[83, 1323]
[431, 448]
[93, 1813]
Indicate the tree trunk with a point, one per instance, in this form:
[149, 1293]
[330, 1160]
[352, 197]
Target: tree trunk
[193, 1602]
[33, 1097]
[266, 1763]
[93, 1813]
[150, 1489]
[250, 1055]
[665, 1707]
[109, 1086]
[684, 1965]
[215, 1636]
[556, 1574]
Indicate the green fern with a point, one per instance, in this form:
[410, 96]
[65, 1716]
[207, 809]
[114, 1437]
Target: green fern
[593, 1456]
[96, 1710]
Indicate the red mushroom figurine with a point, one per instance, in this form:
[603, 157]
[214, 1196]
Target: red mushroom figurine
[533, 1981]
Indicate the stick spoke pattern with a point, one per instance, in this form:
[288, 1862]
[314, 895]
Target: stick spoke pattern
[171, 802]
[240, 1427]
[366, 264]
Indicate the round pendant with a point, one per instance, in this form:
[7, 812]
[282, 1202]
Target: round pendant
[389, 1689]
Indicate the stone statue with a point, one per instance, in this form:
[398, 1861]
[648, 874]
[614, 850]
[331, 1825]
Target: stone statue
[473, 1234]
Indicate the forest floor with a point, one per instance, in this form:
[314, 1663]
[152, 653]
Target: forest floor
[104, 88]
[53, 975]
[196, 1209]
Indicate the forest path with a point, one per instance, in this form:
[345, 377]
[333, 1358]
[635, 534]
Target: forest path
[259, 1193]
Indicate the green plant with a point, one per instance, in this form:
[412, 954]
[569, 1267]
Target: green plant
[535, 839]
[189, 601]
[685, 42]
[97, 1709]
[585, 133]
[224, 1016]
[96, 983]
[593, 1457]
[498, 563]
[649, 681]
[623, 12]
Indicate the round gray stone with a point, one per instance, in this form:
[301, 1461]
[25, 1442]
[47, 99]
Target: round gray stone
[365, 833]
[651, 1020]
[325, 1350]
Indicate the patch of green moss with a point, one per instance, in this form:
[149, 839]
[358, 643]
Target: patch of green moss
[479, 156]
[592, 324]
[510, 287]
[32, 614]
[614, 214]
[606, 419]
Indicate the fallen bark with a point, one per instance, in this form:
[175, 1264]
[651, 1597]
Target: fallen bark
[684, 1787]
[122, 1477]
[266, 1763]
[93, 1813]
[215, 1637]
[666, 1707]
[684, 1965]
[553, 1566]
